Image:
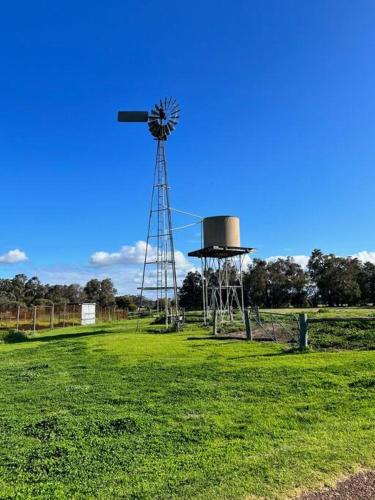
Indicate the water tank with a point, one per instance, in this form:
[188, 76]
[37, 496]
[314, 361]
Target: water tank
[221, 230]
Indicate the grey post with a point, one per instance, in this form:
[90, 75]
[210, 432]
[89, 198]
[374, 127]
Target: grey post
[18, 317]
[52, 316]
[257, 314]
[249, 333]
[214, 322]
[303, 331]
[34, 319]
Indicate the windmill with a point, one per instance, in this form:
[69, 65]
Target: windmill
[159, 252]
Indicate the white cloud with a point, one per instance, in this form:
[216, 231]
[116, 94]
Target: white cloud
[365, 256]
[124, 267]
[133, 255]
[13, 257]
[302, 260]
[126, 255]
[246, 261]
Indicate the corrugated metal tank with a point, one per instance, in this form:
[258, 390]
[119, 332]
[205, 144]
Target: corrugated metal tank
[221, 230]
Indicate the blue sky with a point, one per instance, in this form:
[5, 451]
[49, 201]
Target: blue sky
[277, 126]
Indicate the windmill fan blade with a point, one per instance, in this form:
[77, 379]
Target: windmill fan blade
[154, 128]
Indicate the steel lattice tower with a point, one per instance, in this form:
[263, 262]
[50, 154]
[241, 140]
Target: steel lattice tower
[159, 252]
[161, 255]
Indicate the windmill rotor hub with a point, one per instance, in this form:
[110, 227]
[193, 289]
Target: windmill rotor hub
[163, 118]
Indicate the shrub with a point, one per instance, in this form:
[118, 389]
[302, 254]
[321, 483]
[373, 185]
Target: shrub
[14, 336]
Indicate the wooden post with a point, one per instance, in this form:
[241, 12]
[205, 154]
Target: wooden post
[249, 333]
[52, 316]
[18, 317]
[257, 317]
[214, 322]
[273, 328]
[34, 319]
[303, 331]
[64, 313]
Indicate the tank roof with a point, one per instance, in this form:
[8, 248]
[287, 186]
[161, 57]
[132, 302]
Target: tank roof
[220, 252]
[220, 216]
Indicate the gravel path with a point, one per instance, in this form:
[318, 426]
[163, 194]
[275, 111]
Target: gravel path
[358, 487]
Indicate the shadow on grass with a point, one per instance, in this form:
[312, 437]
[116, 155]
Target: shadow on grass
[63, 335]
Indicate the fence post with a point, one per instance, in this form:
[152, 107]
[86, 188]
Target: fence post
[18, 317]
[257, 317]
[249, 333]
[273, 328]
[34, 319]
[214, 322]
[52, 316]
[303, 331]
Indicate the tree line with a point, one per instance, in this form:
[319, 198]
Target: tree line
[328, 280]
[27, 292]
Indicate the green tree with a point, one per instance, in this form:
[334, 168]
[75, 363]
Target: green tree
[92, 291]
[107, 294]
[337, 278]
[190, 294]
[34, 291]
[126, 302]
[255, 283]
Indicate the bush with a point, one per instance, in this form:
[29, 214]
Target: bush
[14, 336]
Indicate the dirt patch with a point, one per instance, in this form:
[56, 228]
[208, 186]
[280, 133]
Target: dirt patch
[359, 486]
[278, 334]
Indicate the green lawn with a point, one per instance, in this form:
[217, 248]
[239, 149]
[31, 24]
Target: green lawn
[103, 412]
[327, 312]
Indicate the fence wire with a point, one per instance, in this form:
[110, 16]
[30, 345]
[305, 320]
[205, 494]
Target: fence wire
[273, 326]
[22, 318]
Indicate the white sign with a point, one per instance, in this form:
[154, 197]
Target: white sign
[88, 314]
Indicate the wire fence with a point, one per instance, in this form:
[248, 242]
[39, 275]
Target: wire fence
[23, 318]
[299, 329]
[319, 330]
[274, 326]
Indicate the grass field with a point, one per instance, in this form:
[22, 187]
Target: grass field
[103, 412]
[327, 312]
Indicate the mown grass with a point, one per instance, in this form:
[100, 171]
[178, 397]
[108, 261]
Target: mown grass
[105, 412]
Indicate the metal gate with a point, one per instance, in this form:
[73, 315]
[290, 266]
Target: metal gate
[273, 326]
